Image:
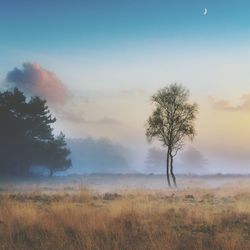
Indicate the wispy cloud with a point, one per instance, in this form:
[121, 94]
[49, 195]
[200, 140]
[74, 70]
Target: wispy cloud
[77, 116]
[230, 106]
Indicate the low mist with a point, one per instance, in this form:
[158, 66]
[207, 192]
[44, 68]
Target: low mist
[99, 156]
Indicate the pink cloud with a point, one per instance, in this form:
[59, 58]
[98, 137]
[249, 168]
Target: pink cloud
[35, 80]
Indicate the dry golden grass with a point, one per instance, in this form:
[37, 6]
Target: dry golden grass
[139, 219]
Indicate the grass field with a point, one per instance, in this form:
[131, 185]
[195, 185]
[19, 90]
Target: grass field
[190, 218]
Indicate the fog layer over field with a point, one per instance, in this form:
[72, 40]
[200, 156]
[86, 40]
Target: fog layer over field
[119, 183]
[102, 155]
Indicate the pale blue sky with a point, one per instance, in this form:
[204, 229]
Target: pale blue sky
[72, 36]
[112, 55]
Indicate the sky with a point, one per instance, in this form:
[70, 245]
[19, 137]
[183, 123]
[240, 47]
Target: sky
[98, 62]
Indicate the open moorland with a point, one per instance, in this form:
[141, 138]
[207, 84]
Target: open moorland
[70, 216]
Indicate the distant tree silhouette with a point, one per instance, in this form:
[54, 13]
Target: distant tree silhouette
[190, 161]
[171, 122]
[26, 134]
[155, 159]
[112, 157]
[193, 160]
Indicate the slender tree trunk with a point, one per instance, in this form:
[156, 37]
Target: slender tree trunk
[171, 169]
[167, 168]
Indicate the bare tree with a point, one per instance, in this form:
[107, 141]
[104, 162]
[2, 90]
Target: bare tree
[171, 122]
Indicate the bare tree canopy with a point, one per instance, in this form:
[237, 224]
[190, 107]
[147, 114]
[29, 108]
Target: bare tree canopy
[172, 121]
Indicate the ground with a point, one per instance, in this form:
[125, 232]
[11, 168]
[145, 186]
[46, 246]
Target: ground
[125, 212]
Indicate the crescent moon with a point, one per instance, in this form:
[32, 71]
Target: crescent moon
[205, 12]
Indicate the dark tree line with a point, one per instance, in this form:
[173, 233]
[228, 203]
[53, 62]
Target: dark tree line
[26, 138]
